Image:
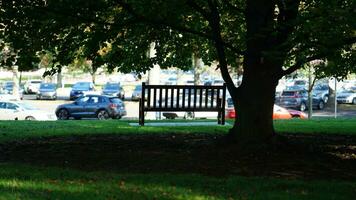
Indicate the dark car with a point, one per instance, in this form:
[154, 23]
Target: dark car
[322, 90]
[92, 106]
[114, 89]
[298, 99]
[80, 88]
[47, 91]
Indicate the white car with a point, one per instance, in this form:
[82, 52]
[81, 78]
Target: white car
[17, 110]
[5, 96]
[32, 86]
[346, 96]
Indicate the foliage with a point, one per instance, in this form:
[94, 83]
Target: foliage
[271, 38]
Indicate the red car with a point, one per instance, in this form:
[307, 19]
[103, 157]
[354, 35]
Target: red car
[278, 113]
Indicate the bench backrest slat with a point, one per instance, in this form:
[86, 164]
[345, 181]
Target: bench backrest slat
[188, 98]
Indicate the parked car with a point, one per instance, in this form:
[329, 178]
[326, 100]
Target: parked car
[171, 81]
[47, 91]
[346, 96]
[190, 115]
[9, 87]
[298, 99]
[136, 94]
[4, 95]
[32, 86]
[17, 110]
[322, 91]
[113, 89]
[92, 106]
[278, 113]
[81, 88]
[301, 83]
[217, 82]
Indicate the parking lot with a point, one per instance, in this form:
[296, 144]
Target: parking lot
[132, 107]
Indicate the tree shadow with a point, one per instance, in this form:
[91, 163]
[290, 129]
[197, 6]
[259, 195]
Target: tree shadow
[293, 156]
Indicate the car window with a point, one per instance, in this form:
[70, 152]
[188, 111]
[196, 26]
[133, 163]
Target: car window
[288, 93]
[11, 106]
[82, 100]
[102, 100]
[116, 100]
[93, 100]
[111, 87]
[2, 105]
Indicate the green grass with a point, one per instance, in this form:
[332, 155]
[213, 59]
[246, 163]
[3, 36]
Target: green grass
[25, 182]
[21, 181]
[13, 130]
[344, 126]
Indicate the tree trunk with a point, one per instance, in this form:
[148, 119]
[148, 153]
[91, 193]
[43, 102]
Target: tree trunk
[254, 110]
[15, 79]
[198, 68]
[93, 77]
[59, 79]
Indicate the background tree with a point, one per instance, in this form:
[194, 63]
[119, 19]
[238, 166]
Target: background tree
[274, 39]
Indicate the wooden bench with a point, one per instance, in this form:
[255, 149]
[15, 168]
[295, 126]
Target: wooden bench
[178, 98]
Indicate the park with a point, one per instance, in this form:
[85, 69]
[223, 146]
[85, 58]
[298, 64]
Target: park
[251, 47]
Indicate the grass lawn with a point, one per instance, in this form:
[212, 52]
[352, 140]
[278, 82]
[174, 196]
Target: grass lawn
[24, 182]
[13, 130]
[99, 160]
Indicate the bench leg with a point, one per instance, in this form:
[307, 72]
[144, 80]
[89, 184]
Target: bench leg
[219, 117]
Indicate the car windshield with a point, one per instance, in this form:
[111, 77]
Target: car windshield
[81, 86]
[295, 87]
[288, 93]
[111, 87]
[321, 87]
[27, 106]
[47, 86]
[348, 91]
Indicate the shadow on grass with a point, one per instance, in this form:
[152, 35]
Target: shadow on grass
[29, 182]
[296, 157]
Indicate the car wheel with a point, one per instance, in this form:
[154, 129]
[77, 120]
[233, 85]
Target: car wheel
[102, 115]
[189, 115]
[303, 107]
[321, 105]
[63, 114]
[30, 118]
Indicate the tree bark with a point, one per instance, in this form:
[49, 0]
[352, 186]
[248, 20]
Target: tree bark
[93, 77]
[15, 79]
[253, 102]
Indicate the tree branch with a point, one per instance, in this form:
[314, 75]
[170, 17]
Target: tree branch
[299, 64]
[158, 22]
[219, 45]
[201, 10]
